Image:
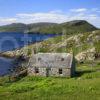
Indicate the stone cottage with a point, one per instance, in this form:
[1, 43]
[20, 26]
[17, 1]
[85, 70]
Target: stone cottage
[52, 64]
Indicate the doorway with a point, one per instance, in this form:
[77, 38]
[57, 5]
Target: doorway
[48, 71]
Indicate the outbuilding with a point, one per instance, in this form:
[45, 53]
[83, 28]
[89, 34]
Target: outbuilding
[52, 64]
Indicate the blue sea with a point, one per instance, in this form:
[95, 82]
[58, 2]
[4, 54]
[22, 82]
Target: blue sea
[11, 40]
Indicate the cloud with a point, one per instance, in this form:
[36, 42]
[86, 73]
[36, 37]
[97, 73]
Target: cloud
[43, 17]
[4, 21]
[56, 11]
[79, 10]
[59, 17]
[56, 16]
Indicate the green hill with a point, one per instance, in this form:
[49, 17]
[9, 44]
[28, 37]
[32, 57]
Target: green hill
[84, 86]
[14, 27]
[20, 27]
[72, 27]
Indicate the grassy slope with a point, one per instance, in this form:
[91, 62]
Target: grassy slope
[66, 43]
[85, 86]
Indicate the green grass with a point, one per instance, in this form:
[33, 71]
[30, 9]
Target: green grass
[85, 86]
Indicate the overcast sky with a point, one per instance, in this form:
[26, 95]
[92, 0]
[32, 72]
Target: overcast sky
[32, 11]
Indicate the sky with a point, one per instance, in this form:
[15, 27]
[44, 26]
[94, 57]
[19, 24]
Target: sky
[56, 11]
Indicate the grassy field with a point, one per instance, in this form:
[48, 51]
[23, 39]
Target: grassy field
[85, 86]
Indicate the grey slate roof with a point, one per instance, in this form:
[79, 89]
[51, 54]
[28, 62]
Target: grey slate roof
[60, 60]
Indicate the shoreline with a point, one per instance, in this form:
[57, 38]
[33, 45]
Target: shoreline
[18, 51]
[7, 56]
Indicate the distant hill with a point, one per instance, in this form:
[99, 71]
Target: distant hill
[20, 27]
[14, 27]
[72, 27]
[35, 27]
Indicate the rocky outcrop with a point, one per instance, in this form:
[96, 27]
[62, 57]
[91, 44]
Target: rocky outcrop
[10, 54]
[88, 55]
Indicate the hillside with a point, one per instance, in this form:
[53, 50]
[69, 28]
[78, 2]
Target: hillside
[20, 27]
[14, 27]
[72, 27]
[85, 86]
[36, 26]
[85, 46]
[86, 49]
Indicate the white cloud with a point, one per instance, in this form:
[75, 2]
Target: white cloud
[56, 11]
[4, 21]
[59, 17]
[56, 16]
[78, 10]
[43, 17]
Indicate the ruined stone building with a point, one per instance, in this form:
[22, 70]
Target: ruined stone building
[52, 64]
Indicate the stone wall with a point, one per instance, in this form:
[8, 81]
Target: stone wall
[50, 72]
[42, 72]
[65, 72]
